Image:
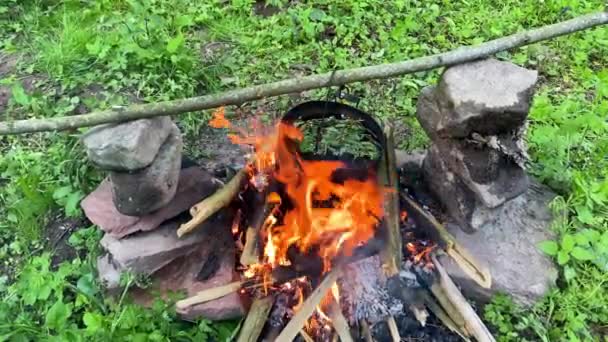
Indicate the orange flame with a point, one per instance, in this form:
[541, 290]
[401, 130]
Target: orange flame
[356, 205]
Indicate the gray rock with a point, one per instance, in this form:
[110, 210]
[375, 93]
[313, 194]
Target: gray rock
[486, 96]
[508, 243]
[127, 146]
[148, 252]
[409, 161]
[141, 192]
[492, 176]
[194, 185]
[459, 201]
[109, 273]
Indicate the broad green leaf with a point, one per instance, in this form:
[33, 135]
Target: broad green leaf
[93, 321]
[581, 239]
[582, 254]
[183, 21]
[569, 273]
[86, 284]
[71, 205]
[549, 247]
[19, 95]
[58, 315]
[568, 242]
[61, 192]
[563, 257]
[584, 214]
[317, 14]
[591, 234]
[603, 241]
[174, 43]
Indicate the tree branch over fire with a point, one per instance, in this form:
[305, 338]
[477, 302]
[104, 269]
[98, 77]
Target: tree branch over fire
[299, 84]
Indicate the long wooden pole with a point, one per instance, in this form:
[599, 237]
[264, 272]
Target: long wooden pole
[299, 84]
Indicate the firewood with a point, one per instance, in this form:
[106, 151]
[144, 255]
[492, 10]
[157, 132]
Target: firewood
[305, 336]
[480, 274]
[210, 294]
[472, 322]
[443, 316]
[250, 254]
[308, 307]
[366, 331]
[420, 313]
[339, 322]
[212, 204]
[392, 327]
[255, 320]
[392, 253]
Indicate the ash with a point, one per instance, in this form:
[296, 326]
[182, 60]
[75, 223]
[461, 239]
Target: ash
[363, 293]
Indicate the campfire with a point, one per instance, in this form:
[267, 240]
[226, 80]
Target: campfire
[330, 244]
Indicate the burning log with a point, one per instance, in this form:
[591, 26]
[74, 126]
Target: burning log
[308, 307]
[212, 204]
[448, 243]
[392, 253]
[256, 318]
[250, 254]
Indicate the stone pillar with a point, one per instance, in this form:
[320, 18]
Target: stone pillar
[476, 118]
[143, 158]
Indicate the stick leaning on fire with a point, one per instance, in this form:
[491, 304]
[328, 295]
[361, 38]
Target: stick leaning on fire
[443, 299]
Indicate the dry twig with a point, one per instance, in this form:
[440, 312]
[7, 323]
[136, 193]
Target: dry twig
[209, 294]
[308, 307]
[212, 204]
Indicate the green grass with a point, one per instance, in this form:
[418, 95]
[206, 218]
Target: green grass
[88, 55]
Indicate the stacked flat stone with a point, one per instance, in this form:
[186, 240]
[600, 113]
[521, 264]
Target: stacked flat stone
[475, 118]
[143, 158]
[139, 207]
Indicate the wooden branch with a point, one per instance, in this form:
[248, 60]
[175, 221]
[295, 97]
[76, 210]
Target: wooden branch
[420, 313]
[473, 323]
[256, 318]
[250, 254]
[392, 328]
[209, 294]
[444, 317]
[392, 253]
[339, 322]
[308, 307]
[305, 336]
[480, 274]
[366, 331]
[212, 204]
[300, 84]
